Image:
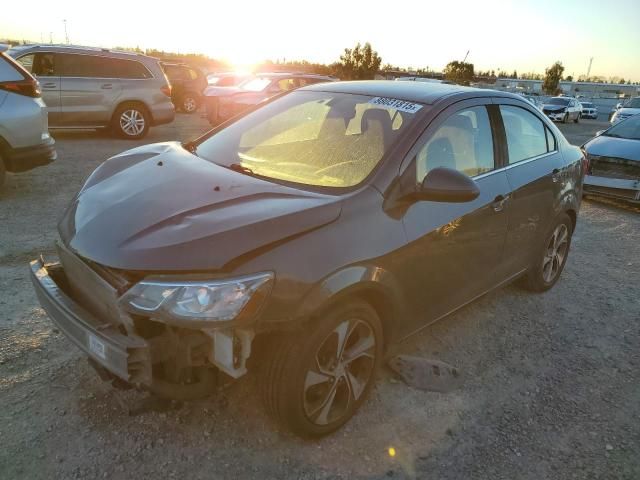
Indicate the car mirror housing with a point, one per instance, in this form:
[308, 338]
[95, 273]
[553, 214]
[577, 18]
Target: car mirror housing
[448, 185]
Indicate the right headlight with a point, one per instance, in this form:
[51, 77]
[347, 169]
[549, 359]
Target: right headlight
[205, 302]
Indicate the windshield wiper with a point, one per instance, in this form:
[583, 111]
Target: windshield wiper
[236, 167]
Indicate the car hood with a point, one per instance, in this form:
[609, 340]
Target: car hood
[161, 208]
[604, 146]
[553, 108]
[213, 91]
[629, 111]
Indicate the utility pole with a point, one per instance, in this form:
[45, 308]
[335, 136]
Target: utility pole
[51, 38]
[465, 57]
[66, 35]
[589, 69]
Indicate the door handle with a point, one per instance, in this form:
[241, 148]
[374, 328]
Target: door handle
[555, 175]
[107, 86]
[50, 85]
[498, 202]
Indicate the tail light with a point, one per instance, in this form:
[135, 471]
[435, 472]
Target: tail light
[586, 164]
[166, 90]
[28, 87]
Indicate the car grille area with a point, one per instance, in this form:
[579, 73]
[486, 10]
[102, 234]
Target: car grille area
[613, 167]
[88, 288]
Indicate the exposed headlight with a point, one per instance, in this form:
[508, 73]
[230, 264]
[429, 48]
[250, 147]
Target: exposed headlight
[208, 301]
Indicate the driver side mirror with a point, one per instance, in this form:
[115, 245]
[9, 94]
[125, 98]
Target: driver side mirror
[448, 185]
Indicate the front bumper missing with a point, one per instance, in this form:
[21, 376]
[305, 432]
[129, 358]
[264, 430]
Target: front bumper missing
[126, 356]
[620, 188]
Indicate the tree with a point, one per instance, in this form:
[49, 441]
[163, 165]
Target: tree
[569, 78]
[459, 72]
[622, 81]
[552, 77]
[358, 63]
[514, 74]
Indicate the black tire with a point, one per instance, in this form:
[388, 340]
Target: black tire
[189, 102]
[565, 119]
[135, 112]
[537, 278]
[295, 360]
[577, 120]
[3, 174]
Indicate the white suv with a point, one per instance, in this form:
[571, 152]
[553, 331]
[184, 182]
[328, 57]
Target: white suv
[25, 142]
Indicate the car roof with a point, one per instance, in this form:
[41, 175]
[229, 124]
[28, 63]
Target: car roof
[421, 92]
[106, 52]
[292, 74]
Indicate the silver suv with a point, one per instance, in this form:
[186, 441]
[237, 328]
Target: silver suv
[86, 87]
[25, 142]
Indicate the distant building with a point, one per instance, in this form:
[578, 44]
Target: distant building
[586, 89]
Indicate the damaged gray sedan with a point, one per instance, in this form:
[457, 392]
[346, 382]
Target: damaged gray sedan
[614, 162]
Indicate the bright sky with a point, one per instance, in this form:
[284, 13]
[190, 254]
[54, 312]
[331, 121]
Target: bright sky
[526, 35]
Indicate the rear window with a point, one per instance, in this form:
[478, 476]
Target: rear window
[8, 71]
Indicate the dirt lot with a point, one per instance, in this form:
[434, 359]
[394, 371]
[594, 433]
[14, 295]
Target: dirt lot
[551, 391]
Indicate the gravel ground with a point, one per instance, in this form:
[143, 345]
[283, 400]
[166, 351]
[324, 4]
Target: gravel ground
[551, 382]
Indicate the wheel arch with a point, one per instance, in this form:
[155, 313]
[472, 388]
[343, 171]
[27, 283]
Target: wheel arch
[371, 284]
[122, 103]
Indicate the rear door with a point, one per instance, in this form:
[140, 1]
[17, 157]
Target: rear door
[535, 171]
[45, 66]
[89, 88]
[455, 249]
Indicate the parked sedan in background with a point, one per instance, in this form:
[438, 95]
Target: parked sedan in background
[25, 142]
[87, 87]
[187, 85]
[227, 79]
[614, 161]
[562, 109]
[589, 110]
[223, 104]
[628, 109]
[304, 238]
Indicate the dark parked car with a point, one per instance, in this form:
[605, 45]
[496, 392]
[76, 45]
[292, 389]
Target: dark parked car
[614, 161]
[303, 238]
[187, 85]
[224, 103]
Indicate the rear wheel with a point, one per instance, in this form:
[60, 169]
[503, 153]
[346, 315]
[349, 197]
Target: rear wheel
[577, 118]
[313, 382]
[130, 121]
[551, 259]
[189, 103]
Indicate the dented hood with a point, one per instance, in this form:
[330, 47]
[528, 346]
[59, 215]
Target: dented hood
[161, 208]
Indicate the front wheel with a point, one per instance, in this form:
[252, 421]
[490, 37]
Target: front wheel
[130, 122]
[313, 382]
[577, 120]
[551, 259]
[565, 119]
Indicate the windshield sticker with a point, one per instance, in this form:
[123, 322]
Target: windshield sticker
[396, 104]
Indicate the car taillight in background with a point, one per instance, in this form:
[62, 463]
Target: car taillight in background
[28, 87]
[586, 163]
[166, 90]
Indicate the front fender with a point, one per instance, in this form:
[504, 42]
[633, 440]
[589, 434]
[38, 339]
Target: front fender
[373, 283]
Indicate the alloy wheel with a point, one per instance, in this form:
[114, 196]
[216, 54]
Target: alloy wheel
[132, 122]
[189, 104]
[342, 368]
[555, 253]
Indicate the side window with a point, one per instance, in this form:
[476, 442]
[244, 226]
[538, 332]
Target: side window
[118, 68]
[27, 62]
[286, 84]
[46, 65]
[551, 140]
[463, 142]
[81, 66]
[526, 134]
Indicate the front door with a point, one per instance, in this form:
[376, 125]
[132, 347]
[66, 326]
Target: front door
[46, 68]
[454, 250]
